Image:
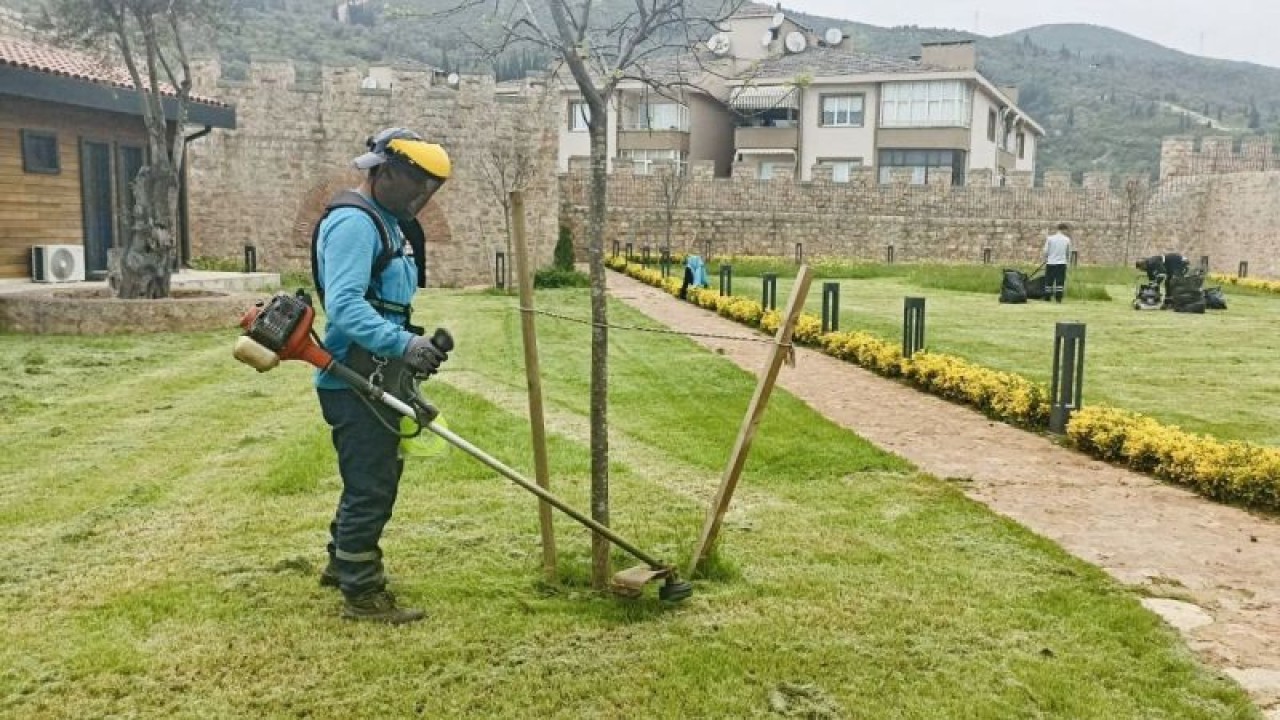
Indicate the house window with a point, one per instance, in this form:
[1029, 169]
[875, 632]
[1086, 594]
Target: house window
[992, 121]
[579, 116]
[1022, 145]
[662, 116]
[922, 162]
[842, 110]
[841, 168]
[940, 103]
[40, 152]
[644, 159]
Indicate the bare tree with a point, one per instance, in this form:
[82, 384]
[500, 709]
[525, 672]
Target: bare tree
[650, 42]
[510, 166]
[148, 37]
[673, 180]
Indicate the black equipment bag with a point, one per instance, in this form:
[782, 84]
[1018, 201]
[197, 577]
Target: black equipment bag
[1185, 294]
[1035, 288]
[1214, 299]
[1013, 289]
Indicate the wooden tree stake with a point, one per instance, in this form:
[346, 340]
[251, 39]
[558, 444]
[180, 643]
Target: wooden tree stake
[534, 376]
[755, 411]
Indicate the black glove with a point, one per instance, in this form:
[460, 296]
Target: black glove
[423, 357]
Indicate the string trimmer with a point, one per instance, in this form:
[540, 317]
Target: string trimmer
[281, 329]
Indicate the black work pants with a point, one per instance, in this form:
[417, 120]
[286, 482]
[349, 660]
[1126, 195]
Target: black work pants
[370, 465]
[1055, 281]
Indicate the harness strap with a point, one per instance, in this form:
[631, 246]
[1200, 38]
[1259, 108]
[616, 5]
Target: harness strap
[413, 230]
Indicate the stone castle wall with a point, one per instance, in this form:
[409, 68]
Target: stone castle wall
[265, 183]
[862, 219]
[1222, 200]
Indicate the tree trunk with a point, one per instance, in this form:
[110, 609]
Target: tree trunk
[599, 353]
[146, 253]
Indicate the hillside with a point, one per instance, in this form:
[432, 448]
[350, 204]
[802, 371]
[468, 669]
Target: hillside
[1095, 40]
[1106, 98]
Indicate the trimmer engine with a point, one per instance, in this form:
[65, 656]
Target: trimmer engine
[272, 324]
[280, 329]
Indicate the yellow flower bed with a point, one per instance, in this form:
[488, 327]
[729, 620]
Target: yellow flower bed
[1272, 286]
[1230, 471]
[1002, 395]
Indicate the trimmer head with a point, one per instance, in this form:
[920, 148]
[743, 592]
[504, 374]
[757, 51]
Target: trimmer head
[675, 590]
[631, 582]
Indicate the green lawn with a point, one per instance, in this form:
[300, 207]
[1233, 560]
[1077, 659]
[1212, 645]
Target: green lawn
[163, 511]
[1215, 373]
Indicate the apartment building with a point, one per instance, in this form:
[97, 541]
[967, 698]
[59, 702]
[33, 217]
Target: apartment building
[771, 93]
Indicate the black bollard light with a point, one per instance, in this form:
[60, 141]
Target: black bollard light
[769, 291]
[617, 248]
[799, 253]
[706, 251]
[500, 270]
[1075, 258]
[912, 326]
[986, 256]
[1068, 374]
[1243, 272]
[726, 280]
[630, 251]
[250, 259]
[830, 306]
[664, 262]
[888, 254]
[1204, 264]
[644, 255]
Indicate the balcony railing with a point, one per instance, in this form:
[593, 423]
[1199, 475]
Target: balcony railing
[766, 138]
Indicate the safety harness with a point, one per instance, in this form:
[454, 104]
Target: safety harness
[412, 230]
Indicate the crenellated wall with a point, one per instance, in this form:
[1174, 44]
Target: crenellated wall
[266, 182]
[1222, 200]
[862, 218]
[1213, 155]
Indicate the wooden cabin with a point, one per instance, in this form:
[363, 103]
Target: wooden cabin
[72, 137]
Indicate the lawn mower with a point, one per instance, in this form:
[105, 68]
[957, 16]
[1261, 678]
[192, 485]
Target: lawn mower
[281, 329]
[1148, 296]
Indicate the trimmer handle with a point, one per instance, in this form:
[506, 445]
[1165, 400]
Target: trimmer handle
[442, 340]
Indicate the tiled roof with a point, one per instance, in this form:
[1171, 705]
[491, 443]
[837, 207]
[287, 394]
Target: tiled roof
[749, 10]
[78, 66]
[827, 62]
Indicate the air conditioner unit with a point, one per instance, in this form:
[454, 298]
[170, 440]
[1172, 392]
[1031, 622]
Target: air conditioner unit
[57, 263]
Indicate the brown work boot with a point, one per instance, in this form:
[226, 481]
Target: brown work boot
[379, 606]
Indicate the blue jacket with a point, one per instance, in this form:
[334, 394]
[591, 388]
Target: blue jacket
[348, 244]
[699, 269]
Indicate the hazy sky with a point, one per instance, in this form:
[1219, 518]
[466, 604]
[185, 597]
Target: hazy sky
[1232, 29]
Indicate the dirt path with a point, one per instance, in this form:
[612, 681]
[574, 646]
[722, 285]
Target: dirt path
[1213, 571]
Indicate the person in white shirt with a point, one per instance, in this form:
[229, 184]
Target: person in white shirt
[1057, 251]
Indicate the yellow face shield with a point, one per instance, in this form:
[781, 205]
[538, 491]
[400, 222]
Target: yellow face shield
[428, 157]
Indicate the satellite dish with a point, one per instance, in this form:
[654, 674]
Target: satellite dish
[795, 42]
[453, 79]
[767, 39]
[719, 43]
[834, 36]
[778, 19]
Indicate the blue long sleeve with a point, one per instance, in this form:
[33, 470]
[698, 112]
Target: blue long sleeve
[349, 243]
